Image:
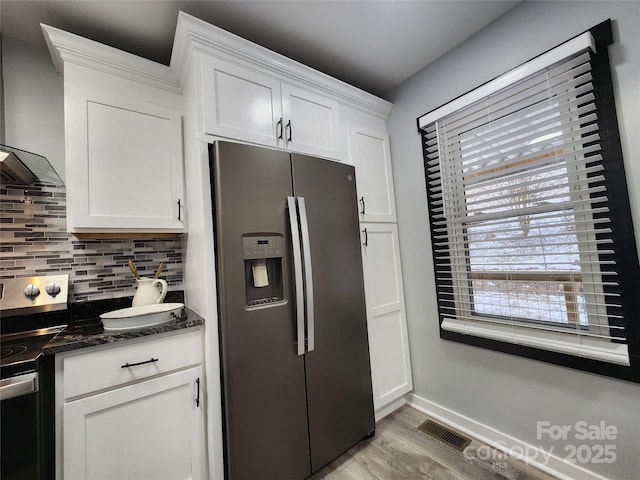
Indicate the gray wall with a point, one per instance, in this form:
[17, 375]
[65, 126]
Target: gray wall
[33, 101]
[505, 392]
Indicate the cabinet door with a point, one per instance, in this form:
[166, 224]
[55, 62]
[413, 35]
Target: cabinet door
[124, 165]
[369, 151]
[388, 340]
[314, 127]
[151, 430]
[239, 103]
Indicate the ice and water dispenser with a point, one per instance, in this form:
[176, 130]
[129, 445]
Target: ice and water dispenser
[263, 269]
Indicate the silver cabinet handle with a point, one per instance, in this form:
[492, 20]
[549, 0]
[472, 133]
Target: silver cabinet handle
[18, 386]
[308, 275]
[363, 205]
[297, 269]
[366, 237]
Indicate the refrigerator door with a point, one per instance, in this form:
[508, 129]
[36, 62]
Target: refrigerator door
[265, 418]
[339, 394]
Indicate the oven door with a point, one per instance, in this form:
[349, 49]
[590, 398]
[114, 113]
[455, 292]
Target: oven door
[19, 415]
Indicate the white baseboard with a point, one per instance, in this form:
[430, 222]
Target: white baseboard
[552, 464]
[390, 408]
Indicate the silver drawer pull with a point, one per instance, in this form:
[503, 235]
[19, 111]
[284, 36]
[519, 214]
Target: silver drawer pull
[127, 365]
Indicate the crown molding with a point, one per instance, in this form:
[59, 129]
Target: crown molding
[66, 47]
[195, 35]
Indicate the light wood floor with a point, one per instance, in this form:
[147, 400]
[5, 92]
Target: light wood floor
[399, 451]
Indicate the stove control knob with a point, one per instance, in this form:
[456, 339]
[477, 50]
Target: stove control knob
[52, 289]
[31, 291]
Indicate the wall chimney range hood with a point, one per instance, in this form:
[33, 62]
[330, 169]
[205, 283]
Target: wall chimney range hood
[19, 167]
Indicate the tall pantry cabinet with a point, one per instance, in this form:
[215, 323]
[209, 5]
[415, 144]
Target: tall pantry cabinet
[388, 340]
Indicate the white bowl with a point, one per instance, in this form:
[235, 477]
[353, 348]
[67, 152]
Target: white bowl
[141, 316]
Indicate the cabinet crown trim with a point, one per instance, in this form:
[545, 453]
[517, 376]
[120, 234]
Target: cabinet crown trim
[67, 47]
[195, 35]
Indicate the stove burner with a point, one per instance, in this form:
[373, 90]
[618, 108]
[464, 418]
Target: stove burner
[19, 352]
[8, 352]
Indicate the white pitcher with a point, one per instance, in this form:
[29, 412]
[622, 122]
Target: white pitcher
[148, 293]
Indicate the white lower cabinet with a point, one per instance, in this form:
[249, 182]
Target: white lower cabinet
[142, 417]
[387, 324]
[151, 430]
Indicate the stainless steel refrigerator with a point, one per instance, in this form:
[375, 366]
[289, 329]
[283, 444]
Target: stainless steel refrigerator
[293, 334]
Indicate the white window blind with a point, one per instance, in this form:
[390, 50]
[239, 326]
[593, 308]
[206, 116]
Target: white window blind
[520, 213]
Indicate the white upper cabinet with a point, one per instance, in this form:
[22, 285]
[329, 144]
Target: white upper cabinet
[369, 152]
[123, 140]
[311, 122]
[240, 103]
[124, 165]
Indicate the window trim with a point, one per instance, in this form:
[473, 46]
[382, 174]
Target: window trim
[627, 256]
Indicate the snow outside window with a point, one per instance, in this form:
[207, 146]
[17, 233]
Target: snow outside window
[520, 210]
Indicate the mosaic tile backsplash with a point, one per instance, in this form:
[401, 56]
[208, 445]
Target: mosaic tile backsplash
[33, 241]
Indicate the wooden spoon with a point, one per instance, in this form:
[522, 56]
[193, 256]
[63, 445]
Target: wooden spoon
[160, 267]
[133, 269]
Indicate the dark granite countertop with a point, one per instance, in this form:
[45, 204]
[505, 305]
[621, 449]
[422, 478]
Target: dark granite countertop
[90, 333]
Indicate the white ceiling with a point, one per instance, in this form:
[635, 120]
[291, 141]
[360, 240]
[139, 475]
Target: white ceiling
[374, 45]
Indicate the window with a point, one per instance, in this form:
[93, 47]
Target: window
[531, 229]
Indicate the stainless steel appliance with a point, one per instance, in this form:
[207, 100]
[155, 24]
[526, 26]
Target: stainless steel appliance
[292, 317]
[33, 311]
[19, 167]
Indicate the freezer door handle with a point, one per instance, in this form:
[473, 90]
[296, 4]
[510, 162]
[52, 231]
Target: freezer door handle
[308, 276]
[297, 272]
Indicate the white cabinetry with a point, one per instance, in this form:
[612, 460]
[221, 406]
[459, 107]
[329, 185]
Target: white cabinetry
[132, 411]
[370, 153]
[239, 103]
[146, 431]
[123, 140]
[244, 104]
[124, 164]
[388, 339]
[311, 122]
[387, 324]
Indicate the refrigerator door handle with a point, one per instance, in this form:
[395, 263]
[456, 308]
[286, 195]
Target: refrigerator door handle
[308, 276]
[297, 269]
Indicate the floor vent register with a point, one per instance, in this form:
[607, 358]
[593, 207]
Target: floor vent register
[444, 434]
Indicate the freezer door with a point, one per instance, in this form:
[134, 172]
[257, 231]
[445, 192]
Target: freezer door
[265, 418]
[339, 395]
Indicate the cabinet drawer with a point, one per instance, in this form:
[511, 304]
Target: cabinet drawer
[119, 365]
